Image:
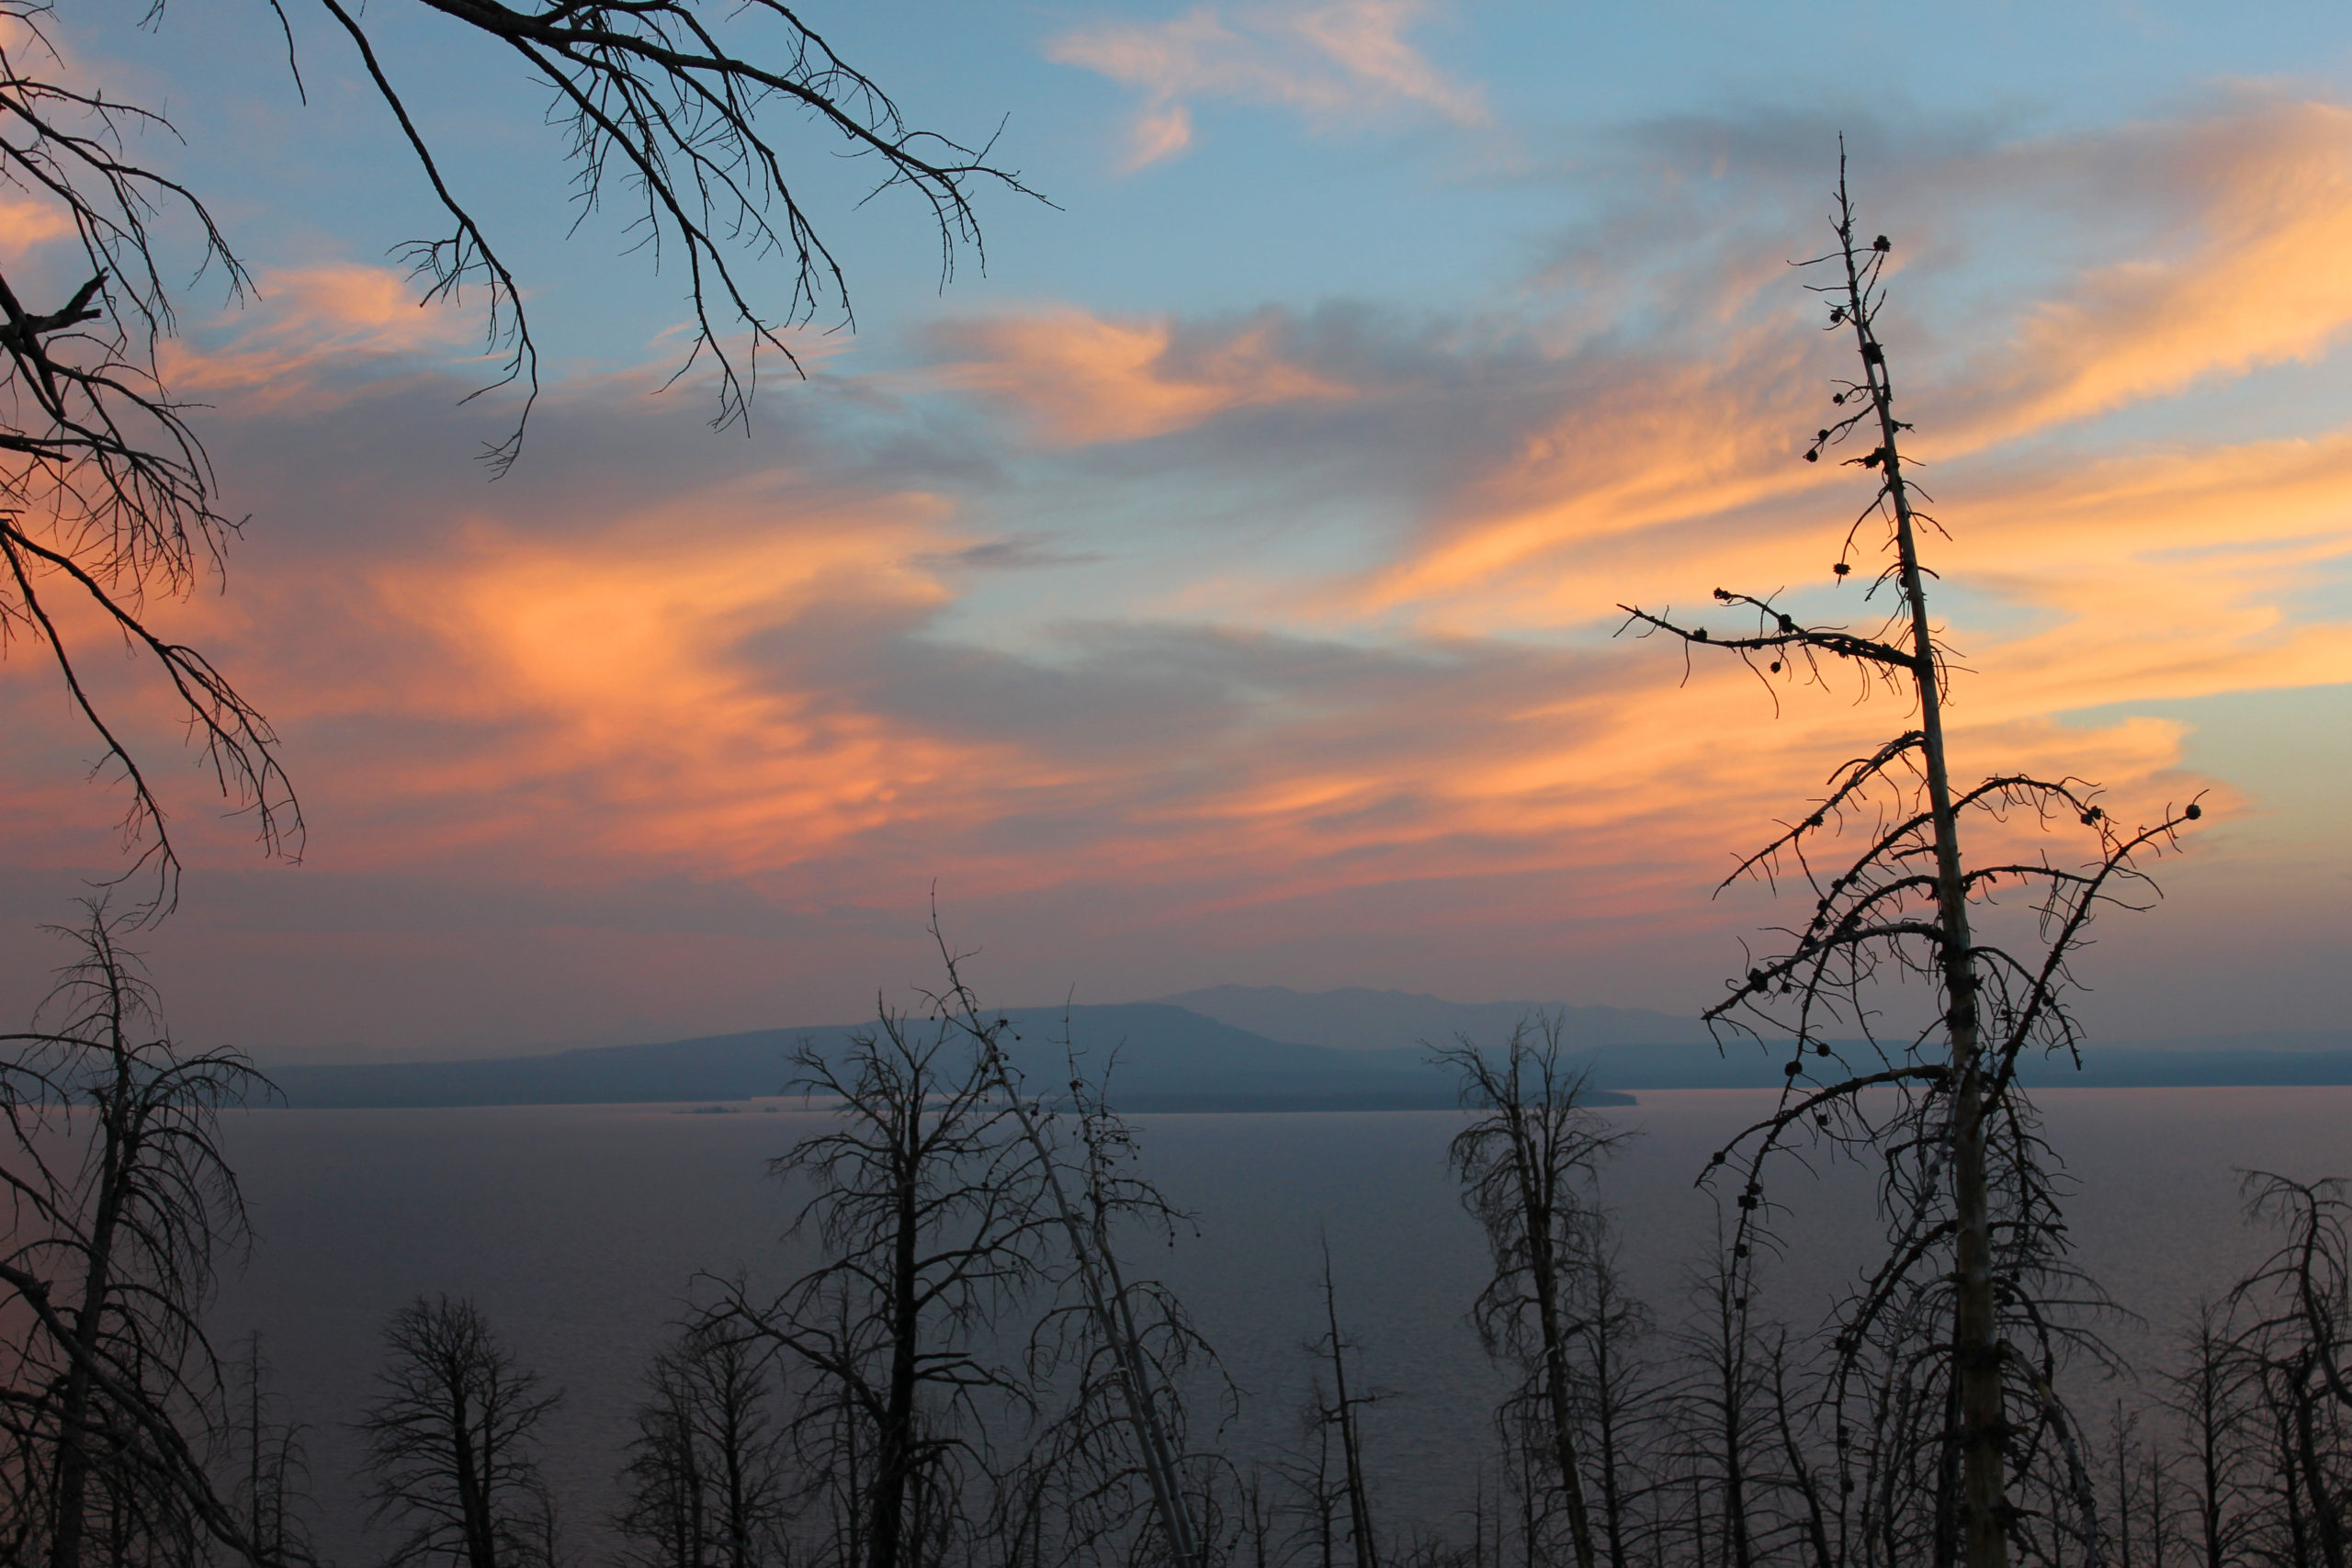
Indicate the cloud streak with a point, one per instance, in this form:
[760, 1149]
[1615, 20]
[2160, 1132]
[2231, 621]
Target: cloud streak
[1336, 64]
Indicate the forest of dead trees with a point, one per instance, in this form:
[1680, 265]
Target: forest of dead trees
[973, 1374]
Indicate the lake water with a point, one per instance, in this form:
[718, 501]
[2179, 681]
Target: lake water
[577, 1230]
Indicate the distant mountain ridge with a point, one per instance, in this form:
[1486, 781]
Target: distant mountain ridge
[1356, 1017]
[1163, 1056]
[1159, 1057]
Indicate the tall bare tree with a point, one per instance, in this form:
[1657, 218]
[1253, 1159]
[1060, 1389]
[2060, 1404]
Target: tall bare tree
[1338, 1412]
[1721, 1431]
[1977, 1250]
[2290, 1329]
[262, 1458]
[698, 118]
[927, 1203]
[1527, 1164]
[1128, 1342]
[453, 1443]
[119, 1206]
[706, 1484]
[2211, 1401]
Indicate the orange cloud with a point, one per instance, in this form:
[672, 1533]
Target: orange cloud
[27, 224]
[2248, 280]
[307, 321]
[1666, 470]
[1081, 378]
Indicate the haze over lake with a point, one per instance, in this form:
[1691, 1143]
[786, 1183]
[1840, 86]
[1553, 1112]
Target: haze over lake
[579, 1229]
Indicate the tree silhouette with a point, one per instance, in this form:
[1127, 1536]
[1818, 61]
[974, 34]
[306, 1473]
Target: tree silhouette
[453, 1442]
[1977, 1252]
[1526, 1165]
[266, 1468]
[707, 1484]
[927, 1203]
[2290, 1331]
[119, 1206]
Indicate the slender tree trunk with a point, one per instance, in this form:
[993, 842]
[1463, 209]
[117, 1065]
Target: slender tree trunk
[1606, 1415]
[685, 1537]
[2291, 1479]
[1328, 1533]
[1106, 1294]
[1739, 1548]
[738, 1506]
[1350, 1453]
[1800, 1472]
[893, 1451]
[1948, 1504]
[89, 1319]
[1975, 1350]
[2208, 1373]
[691, 1484]
[473, 1490]
[1544, 1266]
[2327, 1515]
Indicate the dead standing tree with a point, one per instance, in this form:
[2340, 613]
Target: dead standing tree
[928, 1205]
[108, 502]
[1338, 1415]
[2289, 1338]
[1526, 1165]
[1975, 1236]
[706, 1486]
[262, 1455]
[2212, 1399]
[118, 1203]
[1128, 1358]
[453, 1445]
[1113, 1359]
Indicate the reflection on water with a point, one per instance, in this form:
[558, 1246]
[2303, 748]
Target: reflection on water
[578, 1231]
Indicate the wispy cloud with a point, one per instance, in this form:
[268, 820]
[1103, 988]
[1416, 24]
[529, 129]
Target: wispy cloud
[308, 327]
[2241, 278]
[1337, 64]
[1080, 378]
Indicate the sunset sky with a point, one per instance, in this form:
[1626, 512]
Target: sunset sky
[1220, 586]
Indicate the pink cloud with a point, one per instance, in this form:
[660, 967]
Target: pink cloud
[27, 224]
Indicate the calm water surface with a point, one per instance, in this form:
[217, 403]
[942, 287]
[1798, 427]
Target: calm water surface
[579, 1230]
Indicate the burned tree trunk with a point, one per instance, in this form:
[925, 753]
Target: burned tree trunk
[1974, 1232]
[1139, 1360]
[929, 1207]
[1525, 1166]
[705, 1486]
[1339, 1415]
[120, 1201]
[453, 1442]
[2290, 1327]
